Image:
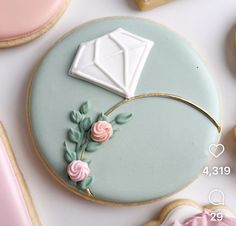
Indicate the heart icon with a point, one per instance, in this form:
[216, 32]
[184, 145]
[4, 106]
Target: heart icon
[216, 150]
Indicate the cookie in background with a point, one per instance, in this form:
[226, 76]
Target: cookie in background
[25, 20]
[16, 206]
[186, 212]
[150, 4]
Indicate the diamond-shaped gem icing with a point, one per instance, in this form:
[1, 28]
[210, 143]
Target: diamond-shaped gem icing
[114, 61]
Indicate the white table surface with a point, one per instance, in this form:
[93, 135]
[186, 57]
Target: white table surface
[208, 24]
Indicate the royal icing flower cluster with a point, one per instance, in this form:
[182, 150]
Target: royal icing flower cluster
[87, 136]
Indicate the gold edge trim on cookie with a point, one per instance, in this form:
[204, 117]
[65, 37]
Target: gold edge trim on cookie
[20, 178]
[44, 160]
[169, 96]
[37, 33]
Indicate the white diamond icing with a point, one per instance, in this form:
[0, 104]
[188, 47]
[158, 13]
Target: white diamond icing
[114, 61]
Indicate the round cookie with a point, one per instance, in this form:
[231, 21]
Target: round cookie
[167, 117]
[186, 212]
[23, 21]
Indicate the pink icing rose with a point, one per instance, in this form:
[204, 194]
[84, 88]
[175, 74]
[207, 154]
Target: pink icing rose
[204, 219]
[101, 131]
[78, 170]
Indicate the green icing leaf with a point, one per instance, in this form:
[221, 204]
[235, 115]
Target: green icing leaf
[69, 154]
[73, 135]
[84, 108]
[69, 157]
[75, 116]
[83, 185]
[123, 118]
[70, 182]
[92, 146]
[102, 117]
[88, 161]
[86, 124]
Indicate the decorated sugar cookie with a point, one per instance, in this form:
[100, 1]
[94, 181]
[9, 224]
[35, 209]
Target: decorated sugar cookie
[122, 107]
[150, 4]
[190, 213]
[22, 21]
[16, 206]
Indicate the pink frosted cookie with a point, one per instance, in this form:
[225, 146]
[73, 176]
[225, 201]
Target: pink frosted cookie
[24, 20]
[16, 207]
[190, 213]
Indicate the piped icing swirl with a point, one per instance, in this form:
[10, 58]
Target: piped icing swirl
[101, 131]
[78, 170]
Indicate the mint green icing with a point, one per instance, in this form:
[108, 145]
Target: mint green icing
[70, 155]
[85, 184]
[163, 148]
[122, 118]
[92, 146]
[84, 108]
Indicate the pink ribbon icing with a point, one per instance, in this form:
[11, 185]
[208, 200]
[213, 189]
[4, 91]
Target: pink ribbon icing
[13, 208]
[204, 219]
[78, 170]
[101, 131]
